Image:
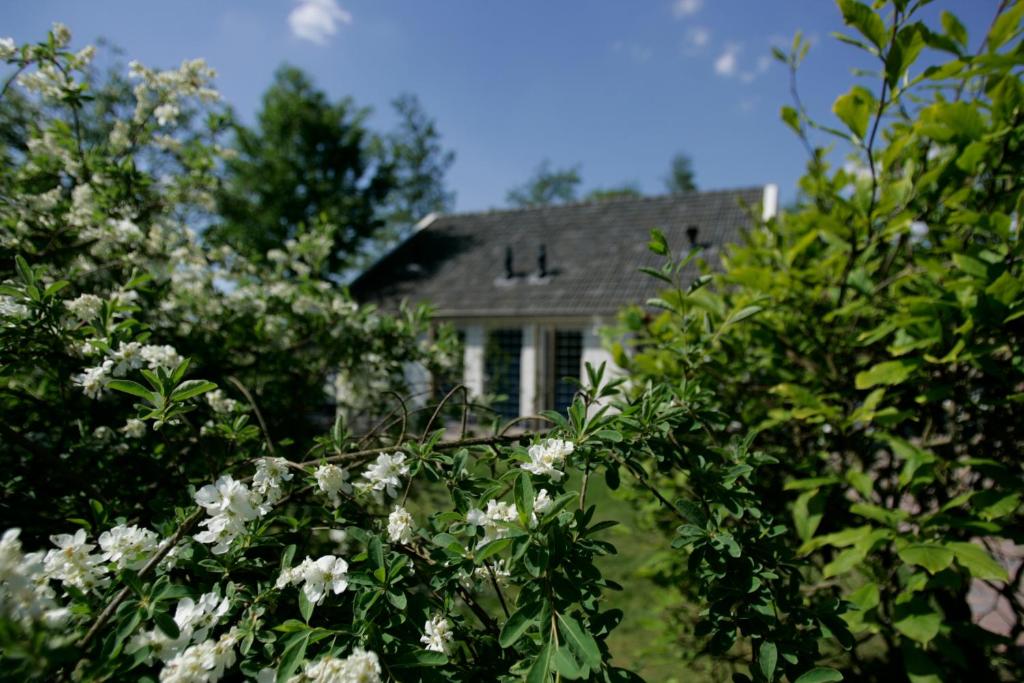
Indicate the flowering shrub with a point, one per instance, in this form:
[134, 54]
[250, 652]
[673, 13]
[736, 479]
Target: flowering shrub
[106, 289]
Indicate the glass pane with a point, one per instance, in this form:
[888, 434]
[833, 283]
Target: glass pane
[501, 365]
[568, 353]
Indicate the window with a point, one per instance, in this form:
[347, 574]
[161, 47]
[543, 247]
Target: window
[568, 353]
[501, 369]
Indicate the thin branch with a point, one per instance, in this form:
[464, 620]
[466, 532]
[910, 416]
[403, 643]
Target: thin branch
[256, 409]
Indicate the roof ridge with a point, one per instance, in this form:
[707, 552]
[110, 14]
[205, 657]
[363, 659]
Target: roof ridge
[617, 201]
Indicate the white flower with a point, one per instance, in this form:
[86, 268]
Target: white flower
[166, 113]
[541, 503]
[547, 456]
[361, 666]
[61, 34]
[227, 496]
[94, 380]
[203, 662]
[134, 428]
[25, 594]
[7, 48]
[219, 402]
[438, 634]
[333, 479]
[266, 483]
[200, 617]
[85, 306]
[400, 526]
[494, 521]
[230, 505]
[10, 308]
[165, 357]
[385, 472]
[127, 357]
[73, 564]
[327, 574]
[128, 546]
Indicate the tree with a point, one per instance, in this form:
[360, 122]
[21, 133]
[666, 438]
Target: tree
[547, 187]
[626, 191]
[420, 166]
[873, 333]
[680, 177]
[309, 161]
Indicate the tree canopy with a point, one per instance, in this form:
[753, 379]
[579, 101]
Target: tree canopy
[309, 160]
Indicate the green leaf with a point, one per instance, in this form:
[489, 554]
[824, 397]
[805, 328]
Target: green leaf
[820, 674]
[887, 373]
[917, 620]
[292, 657]
[540, 671]
[658, 243]
[978, 561]
[581, 642]
[523, 493]
[931, 556]
[166, 624]
[791, 117]
[416, 657]
[305, 606]
[190, 389]
[953, 28]
[129, 387]
[807, 512]
[844, 562]
[864, 19]
[492, 548]
[518, 623]
[1005, 26]
[854, 109]
[565, 664]
[767, 658]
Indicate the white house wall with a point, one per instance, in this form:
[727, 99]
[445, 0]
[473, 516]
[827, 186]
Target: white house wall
[529, 370]
[473, 359]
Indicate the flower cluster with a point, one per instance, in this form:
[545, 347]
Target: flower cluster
[128, 547]
[547, 457]
[384, 474]
[25, 595]
[333, 481]
[400, 526]
[194, 619]
[266, 483]
[229, 504]
[204, 662]
[128, 356]
[73, 563]
[495, 521]
[318, 577]
[362, 666]
[438, 634]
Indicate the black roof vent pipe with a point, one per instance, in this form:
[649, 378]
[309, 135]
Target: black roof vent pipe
[542, 261]
[691, 233]
[508, 263]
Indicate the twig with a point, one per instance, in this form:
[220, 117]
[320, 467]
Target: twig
[256, 409]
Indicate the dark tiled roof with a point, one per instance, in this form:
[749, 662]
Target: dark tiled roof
[594, 251]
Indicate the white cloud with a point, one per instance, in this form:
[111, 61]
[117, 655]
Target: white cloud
[697, 38]
[728, 61]
[317, 20]
[684, 8]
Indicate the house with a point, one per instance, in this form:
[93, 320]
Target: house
[530, 289]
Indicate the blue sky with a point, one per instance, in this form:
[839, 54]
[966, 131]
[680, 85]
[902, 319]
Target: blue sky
[617, 86]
